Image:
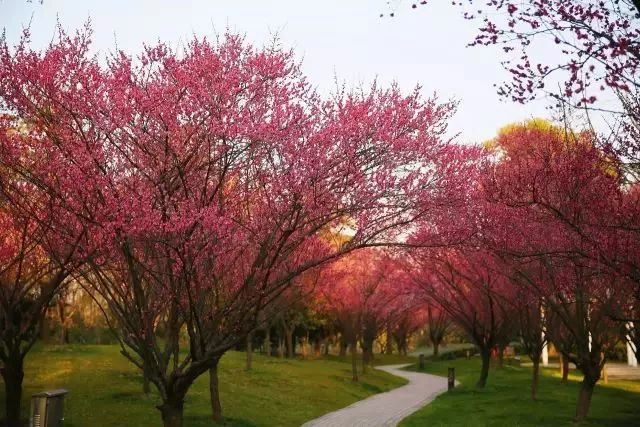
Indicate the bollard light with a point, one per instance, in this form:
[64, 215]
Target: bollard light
[47, 408]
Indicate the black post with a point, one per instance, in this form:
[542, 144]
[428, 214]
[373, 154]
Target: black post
[451, 379]
[421, 362]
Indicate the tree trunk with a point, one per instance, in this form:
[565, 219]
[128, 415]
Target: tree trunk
[64, 335]
[354, 360]
[343, 345]
[64, 329]
[389, 344]
[365, 358]
[584, 399]
[214, 392]
[267, 340]
[501, 356]
[304, 347]
[289, 342]
[484, 372]
[44, 327]
[565, 369]
[367, 353]
[536, 379]
[172, 412]
[280, 347]
[13, 374]
[436, 348]
[401, 342]
[146, 384]
[249, 350]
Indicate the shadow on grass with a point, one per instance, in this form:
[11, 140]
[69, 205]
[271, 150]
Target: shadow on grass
[190, 421]
[202, 421]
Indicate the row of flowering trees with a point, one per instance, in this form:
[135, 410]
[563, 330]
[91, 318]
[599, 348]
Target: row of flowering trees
[188, 191]
[198, 194]
[543, 249]
[551, 254]
[364, 295]
[558, 208]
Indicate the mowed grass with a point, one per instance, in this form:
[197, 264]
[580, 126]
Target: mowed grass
[106, 390]
[506, 399]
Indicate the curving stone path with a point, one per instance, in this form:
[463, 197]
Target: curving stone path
[387, 409]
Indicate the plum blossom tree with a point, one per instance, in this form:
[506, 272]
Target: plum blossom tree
[550, 197]
[597, 40]
[34, 262]
[532, 322]
[591, 55]
[205, 179]
[28, 282]
[357, 293]
[406, 317]
[438, 324]
[468, 287]
[577, 298]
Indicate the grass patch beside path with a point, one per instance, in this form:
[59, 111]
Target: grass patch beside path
[506, 399]
[106, 390]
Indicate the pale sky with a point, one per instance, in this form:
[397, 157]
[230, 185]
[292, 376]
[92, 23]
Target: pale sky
[345, 39]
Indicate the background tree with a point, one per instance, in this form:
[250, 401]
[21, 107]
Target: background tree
[471, 292]
[552, 182]
[597, 42]
[355, 293]
[207, 180]
[35, 262]
[438, 325]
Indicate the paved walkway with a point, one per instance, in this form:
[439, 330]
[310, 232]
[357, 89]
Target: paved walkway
[619, 371]
[387, 409]
[623, 371]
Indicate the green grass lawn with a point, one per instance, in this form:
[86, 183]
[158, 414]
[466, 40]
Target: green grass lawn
[106, 390]
[506, 399]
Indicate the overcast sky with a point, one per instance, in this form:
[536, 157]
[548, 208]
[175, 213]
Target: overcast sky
[335, 38]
